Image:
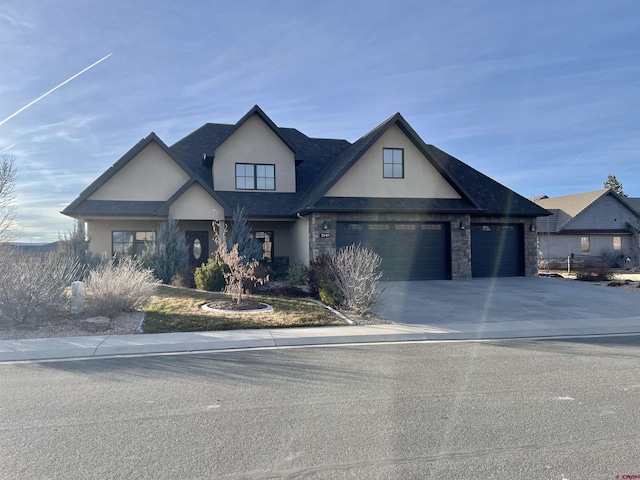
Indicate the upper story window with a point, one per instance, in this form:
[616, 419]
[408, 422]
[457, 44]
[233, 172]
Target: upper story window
[255, 176]
[393, 163]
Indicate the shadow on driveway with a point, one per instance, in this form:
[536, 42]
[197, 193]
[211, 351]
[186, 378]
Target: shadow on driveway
[484, 300]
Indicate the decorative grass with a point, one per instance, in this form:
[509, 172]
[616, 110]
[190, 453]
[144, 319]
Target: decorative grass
[178, 310]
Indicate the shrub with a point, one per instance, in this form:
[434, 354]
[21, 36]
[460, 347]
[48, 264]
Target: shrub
[118, 286]
[210, 276]
[75, 244]
[185, 278]
[358, 273]
[322, 272]
[298, 274]
[283, 290]
[613, 259]
[169, 254]
[32, 286]
[594, 275]
[329, 294]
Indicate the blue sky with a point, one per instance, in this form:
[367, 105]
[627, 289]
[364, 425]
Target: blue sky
[543, 96]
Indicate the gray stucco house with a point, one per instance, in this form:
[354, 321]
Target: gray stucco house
[429, 215]
[589, 226]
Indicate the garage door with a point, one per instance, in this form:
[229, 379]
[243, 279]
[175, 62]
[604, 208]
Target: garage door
[497, 250]
[409, 251]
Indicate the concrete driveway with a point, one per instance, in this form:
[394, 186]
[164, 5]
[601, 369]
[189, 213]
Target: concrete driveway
[530, 306]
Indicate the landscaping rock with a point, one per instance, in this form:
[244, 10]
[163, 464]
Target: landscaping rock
[96, 324]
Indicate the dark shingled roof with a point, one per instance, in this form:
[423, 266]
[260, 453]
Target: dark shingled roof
[320, 163]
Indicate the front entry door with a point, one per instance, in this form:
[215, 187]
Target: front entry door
[198, 243]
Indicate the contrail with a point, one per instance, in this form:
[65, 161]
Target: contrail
[53, 89]
[7, 148]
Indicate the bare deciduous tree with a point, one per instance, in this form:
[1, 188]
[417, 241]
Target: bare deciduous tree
[8, 176]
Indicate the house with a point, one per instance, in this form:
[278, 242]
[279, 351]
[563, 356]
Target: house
[589, 226]
[429, 215]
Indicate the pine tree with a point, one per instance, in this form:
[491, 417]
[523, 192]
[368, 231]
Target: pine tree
[169, 254]
[248, 247]
[613, 183]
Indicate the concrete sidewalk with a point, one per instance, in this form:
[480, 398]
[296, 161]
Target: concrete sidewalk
[110, 345]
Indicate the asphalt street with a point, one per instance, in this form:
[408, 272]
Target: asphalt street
[552, 409]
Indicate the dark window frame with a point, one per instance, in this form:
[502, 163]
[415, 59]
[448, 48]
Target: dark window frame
[271, 235]
[254, 176]
[393, 164]
[135, 247]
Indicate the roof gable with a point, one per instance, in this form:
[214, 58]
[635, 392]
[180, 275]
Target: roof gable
[345, 160]
[256, 110]
[80, 205]
[583, 210]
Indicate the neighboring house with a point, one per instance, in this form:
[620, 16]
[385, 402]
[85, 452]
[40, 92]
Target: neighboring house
[428, 215]
[589, 225]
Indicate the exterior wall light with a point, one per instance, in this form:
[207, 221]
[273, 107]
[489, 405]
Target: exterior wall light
[532, 228]
[462, 226]
[325, 225]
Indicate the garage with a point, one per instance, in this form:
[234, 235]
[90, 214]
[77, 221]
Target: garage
[409, 251]
[497, 250]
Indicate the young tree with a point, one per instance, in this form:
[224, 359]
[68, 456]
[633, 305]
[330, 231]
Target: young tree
[613, 183]
[248, 247]
[169, 254]
[8, 176]
[239, 268]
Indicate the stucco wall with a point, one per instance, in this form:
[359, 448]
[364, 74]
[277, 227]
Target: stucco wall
[561, 246]
[99, 232]
[196, 204]
[150, 176]
[421, 179]
[254, 142]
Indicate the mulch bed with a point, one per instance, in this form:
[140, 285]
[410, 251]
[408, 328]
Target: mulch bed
[234, 307]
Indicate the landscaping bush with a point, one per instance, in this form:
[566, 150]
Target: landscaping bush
[168, 254]
[74, 243]
[118, 286]
[298, 274]
[33, 286]
[594, 275]
[329, 294]
[210, 276]
[185, 278]
[322, 272]
[283, 290]
[613, 259]
[358, 273]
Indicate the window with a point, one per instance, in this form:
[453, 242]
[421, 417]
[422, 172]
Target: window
[128, 243]
[266, 239]
[252, 176]
[617, 243]
[393, 162]
[584, 244]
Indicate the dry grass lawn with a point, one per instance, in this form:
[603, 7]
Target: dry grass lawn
[178, 310]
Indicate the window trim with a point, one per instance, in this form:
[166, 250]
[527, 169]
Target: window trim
[585, 240]
[393, 164]
[135, 241]
[619, 241]
[271, 235]
[255, 176]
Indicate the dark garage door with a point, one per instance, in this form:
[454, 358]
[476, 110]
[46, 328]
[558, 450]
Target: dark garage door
[409, 251]
[497, 250]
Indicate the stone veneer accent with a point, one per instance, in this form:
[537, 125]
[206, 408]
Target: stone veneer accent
[460, 239]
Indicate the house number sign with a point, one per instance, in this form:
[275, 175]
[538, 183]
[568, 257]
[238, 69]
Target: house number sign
[325, 235]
